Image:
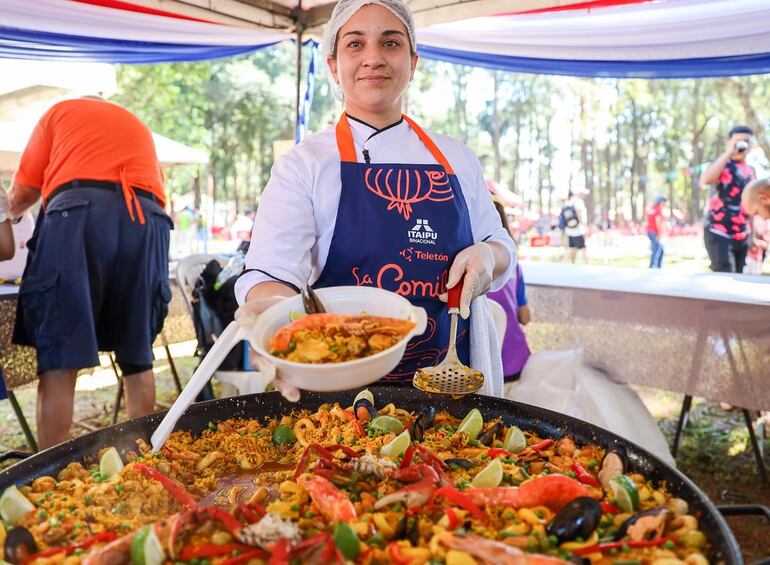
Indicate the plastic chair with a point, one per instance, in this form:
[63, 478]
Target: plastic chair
[235, 383]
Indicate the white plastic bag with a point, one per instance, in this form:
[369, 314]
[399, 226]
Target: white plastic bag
[560, 381]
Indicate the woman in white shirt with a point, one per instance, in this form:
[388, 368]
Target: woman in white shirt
[377, 201]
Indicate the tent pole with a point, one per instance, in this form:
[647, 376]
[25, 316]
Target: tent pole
[299, 74]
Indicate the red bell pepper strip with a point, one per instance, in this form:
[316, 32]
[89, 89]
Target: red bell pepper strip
[496, 452]
[325, 453]
[619, 544]
[584, 476]
[539, 446]
[394, 552]
[252, 513]
[331, 553]
[431, 457]
[609, 508]
[254, 554]
[350, 416]
[307, 543]
[408, 456]
[452, 517]
[280, 553]
[223, 516]
[212, 550]
[175, 490]
[364, 554]
[456, 497]
[98, 538]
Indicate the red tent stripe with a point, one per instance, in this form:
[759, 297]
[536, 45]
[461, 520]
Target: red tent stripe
[129, 7]
[586, 5]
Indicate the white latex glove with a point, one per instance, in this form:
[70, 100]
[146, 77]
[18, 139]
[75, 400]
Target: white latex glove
[476, 263]
[5, 205]
[247, 316]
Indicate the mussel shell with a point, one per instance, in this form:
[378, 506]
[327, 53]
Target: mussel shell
[462, 463]
[578, 518]
[623, 529]
[620, 451]
[425, 418]
[19, 545]
[408, 528]
[488, 436]
[364, 404]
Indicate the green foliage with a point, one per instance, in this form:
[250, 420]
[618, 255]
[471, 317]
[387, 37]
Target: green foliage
[539, 135]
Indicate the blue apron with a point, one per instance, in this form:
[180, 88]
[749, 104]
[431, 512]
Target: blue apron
[399, 227]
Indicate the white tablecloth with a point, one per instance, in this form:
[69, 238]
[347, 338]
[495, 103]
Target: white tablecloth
[706, 334]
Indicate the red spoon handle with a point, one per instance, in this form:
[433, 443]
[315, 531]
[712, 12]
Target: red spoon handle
[453, 300]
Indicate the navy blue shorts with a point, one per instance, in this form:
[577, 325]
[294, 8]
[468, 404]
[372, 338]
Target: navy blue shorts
[94, 281]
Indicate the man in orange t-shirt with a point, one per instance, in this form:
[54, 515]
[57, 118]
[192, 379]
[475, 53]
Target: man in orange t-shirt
[97, 273]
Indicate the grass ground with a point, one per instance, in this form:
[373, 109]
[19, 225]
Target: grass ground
[714, 453]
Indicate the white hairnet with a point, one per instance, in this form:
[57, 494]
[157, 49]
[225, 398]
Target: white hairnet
[344, 10]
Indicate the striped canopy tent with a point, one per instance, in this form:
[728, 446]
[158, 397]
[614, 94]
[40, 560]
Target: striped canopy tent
[589, 38]
[599, 38]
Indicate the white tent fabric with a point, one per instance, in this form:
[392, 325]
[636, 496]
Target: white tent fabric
[659, 39]
[672, 29]
[75, 18]
[618, 38]
[14, 136]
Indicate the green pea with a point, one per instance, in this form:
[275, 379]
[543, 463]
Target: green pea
[553, 540]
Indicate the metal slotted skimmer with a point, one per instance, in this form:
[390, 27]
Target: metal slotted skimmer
[450, 376]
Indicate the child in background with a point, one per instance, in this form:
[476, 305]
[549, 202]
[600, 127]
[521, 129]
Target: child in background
[513, 298]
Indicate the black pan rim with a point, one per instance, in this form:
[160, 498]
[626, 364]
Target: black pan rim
[262, 405]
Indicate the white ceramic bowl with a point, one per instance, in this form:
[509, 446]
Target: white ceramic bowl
[349, 374]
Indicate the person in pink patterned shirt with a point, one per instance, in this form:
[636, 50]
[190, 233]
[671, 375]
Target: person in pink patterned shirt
[727, 228]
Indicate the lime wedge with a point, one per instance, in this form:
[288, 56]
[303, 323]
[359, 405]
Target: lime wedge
[346, 540]
[387, 424]
[489, 476]
[110, 463]
[146, 548]
[294, 315]
[625, 493]
[514, 440]
[472, 424]
[366, 394]
[397, 445]
[14, 505]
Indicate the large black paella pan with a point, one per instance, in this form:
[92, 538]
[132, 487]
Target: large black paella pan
[721, 547]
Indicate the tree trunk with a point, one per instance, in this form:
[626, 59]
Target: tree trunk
[752, 117]
[461, 102]
[496, 127]
[516, 148]
[196, 186]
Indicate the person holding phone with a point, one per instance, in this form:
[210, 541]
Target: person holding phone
[726, 230]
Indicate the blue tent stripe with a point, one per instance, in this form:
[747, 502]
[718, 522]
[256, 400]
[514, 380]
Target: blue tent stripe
[34, 45]
[681, 68]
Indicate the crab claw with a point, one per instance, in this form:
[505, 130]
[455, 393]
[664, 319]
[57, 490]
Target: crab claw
[415, 473]
[416, 494]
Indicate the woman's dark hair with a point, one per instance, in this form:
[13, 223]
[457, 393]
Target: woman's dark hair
[503, 218]
[740, 129]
